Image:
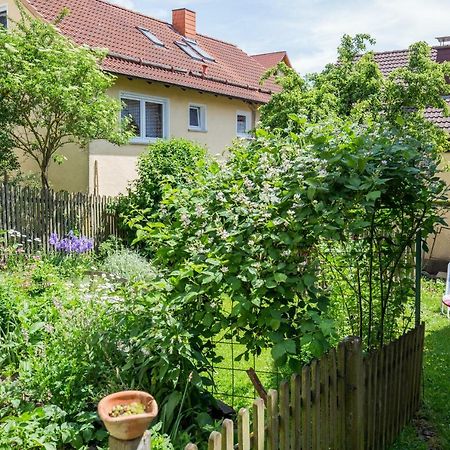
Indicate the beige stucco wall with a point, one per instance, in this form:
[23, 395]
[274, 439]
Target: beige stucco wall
[116, 166]
[439, 243]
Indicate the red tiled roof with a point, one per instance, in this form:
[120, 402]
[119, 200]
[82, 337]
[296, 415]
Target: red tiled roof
[389, 61]
[436, 116]
[98, 23]
[269, 60]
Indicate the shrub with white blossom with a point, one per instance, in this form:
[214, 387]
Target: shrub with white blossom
[252, 233]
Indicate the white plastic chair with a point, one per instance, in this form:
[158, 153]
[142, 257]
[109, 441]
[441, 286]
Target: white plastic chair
[446, 297]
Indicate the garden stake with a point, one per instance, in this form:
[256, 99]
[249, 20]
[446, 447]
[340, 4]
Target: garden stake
[142, 443]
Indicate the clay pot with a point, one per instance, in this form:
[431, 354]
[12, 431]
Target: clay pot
[131, 427]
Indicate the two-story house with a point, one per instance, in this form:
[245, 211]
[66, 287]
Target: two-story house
[172, 80]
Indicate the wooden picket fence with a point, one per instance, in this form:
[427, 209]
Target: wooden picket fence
[344, 401]
[36, 213]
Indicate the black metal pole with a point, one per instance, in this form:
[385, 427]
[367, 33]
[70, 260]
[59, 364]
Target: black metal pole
[418, 276]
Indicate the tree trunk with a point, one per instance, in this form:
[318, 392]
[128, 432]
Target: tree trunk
[44, 176]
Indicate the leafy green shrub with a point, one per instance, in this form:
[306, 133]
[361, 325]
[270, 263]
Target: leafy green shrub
[175, 162]
[68, 342]
[130, 265]
[253, 234]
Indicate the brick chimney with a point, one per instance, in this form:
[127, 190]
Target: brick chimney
[183, 20]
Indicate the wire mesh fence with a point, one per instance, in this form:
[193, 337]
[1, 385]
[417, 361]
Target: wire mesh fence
[232, 383]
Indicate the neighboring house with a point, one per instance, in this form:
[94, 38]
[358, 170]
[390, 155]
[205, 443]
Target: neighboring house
[173, 81]
[439, 245]
[269, 60]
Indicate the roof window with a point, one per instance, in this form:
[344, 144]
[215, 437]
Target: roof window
[192, 48]
[150, 36]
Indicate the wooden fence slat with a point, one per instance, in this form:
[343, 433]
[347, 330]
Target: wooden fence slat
[258, 424]
[334, 443]
[372, 400]
[306, 408]
[325, 401]
[244, 429]
[227, 435]
[341, 394]
[296, 408]
[215, 441]
[315, 406]
[284, 416]
[272, 416]
[354, 394]
[191, 447]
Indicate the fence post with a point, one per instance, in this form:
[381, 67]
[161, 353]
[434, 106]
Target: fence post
[142, 443]
[354, 395]
[418, 277]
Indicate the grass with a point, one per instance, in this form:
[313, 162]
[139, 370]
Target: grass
[435, 412]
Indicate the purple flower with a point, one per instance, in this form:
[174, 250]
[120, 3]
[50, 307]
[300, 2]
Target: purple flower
[71, 243]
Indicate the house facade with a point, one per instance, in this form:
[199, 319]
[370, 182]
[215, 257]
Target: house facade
[172, 80]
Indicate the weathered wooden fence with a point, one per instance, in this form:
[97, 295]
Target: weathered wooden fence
[36, 213]
[344, 401]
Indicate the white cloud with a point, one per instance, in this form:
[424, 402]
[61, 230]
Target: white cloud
[125, 3]
[394, 25]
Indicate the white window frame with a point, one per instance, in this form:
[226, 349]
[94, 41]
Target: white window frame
[203, 126]
[248, 123]
[142, 139]
[4, 8]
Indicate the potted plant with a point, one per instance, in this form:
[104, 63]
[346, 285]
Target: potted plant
[127, 414]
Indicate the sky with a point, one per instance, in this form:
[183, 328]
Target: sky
[309, 30]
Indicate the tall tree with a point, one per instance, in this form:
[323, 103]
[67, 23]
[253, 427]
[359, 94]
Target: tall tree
[52, 93]
[354, 88]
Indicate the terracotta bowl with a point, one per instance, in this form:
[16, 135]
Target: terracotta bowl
[131, 427]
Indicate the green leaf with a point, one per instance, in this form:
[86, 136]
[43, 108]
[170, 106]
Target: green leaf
[280, 277]
[283, 348]
[374, 195]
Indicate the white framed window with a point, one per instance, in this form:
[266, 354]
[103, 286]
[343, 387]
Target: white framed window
[197, 117]
[149, 116]
[243, 123]
[4, 16]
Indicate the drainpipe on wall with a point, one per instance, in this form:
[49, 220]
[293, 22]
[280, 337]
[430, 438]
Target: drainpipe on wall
[96, 177]
[254, 110]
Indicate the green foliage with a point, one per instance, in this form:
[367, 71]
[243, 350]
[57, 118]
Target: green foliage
[52, 93]
[391, 171]
[130, 265]
[25, 426]
[355, 88]
[67, 340]
[175, 162]
[253, 234]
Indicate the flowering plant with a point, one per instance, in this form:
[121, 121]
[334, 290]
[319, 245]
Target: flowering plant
[71, 243]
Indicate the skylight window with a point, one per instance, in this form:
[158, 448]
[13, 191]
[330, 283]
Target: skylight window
[191, 47]
[151, 36]
[190, 51]
[194, 45]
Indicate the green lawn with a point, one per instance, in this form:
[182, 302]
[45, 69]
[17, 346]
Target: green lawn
[435, 413]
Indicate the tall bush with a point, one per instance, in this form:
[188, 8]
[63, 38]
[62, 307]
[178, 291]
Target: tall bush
[174, 161]
[253, 233]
